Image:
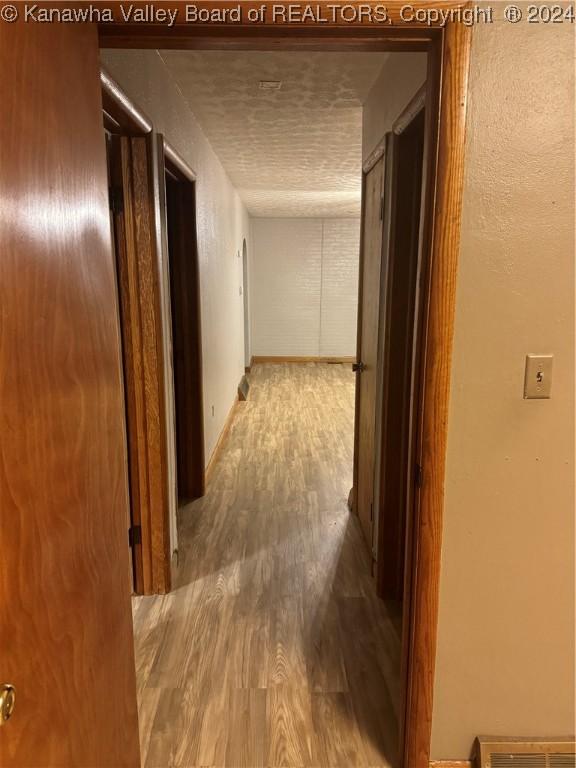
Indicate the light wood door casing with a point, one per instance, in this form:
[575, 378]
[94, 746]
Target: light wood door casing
[65, 614]
[139, 285]
[369, 310]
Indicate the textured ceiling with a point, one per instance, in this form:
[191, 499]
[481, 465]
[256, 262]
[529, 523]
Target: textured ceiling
[292, 152]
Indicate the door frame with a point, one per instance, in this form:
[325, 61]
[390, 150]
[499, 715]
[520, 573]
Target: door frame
[448, 48]
[142, 337]
[170, 162]
[411, 112]
[398, 587]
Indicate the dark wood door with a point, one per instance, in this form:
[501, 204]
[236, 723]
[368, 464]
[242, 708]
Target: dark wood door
[401, 353]
[186, 335]
[369, 308]
[65, 619]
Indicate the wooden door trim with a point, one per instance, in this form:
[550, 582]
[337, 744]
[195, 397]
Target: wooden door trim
[395, 33]
[121, 115]
[175, 163]
[139, 272]
[450, 66]
[377, 154]
[379, 150]
[449, 48]
[416, 104]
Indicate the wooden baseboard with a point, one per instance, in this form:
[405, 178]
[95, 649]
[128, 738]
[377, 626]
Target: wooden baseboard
[450, 764]
[298, 359]
[221, 440]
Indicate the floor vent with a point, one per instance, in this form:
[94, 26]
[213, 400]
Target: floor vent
[494, 752]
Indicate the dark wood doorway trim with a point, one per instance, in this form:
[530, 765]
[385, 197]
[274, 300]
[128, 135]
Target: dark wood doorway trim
[133, 210]
[404, 290]
[403, 295]
[177, 192]
[448, 48]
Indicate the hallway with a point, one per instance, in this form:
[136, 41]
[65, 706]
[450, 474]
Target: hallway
[272, 649]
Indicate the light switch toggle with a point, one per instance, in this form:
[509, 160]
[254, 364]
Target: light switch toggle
[538, 377]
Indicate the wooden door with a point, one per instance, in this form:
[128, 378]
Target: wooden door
[65, 621]
[368, 314]
[186, 334]
[401, 355]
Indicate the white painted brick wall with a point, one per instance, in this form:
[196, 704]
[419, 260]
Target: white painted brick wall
[340, 254]
[304, 286]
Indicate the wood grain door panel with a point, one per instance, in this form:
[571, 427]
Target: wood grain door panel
[368, 347]
[132, 164]
[65, 614]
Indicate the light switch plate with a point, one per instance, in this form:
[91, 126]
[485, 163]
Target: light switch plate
[538, 377]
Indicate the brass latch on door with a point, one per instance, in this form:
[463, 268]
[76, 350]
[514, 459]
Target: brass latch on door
[358, 367]
[7, 701]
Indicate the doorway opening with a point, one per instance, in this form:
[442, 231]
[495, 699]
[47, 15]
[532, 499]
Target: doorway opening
[412, 696]
[184, 276]
[402, 351]
[271, 485]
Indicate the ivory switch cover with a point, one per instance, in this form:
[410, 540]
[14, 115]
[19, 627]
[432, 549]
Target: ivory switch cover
[538, 377]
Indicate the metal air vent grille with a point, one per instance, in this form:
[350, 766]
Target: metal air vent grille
[516, 760]
[563, 761]
[494, 752]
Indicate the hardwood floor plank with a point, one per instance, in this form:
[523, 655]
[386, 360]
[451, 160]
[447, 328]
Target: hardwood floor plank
[287, 660]
[247, 742]
[151, 618]
[216, 727]
[337, 740]
[289, 719]
[148, 699]
[324, 656]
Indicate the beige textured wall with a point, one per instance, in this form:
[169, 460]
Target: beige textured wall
[505, 662]
[401, 76]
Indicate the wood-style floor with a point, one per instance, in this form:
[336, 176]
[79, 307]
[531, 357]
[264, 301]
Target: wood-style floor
[273, 649]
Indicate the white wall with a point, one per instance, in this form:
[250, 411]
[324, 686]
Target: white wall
[401, 76]
[304, 287]
[339, 301]
[222, 224]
